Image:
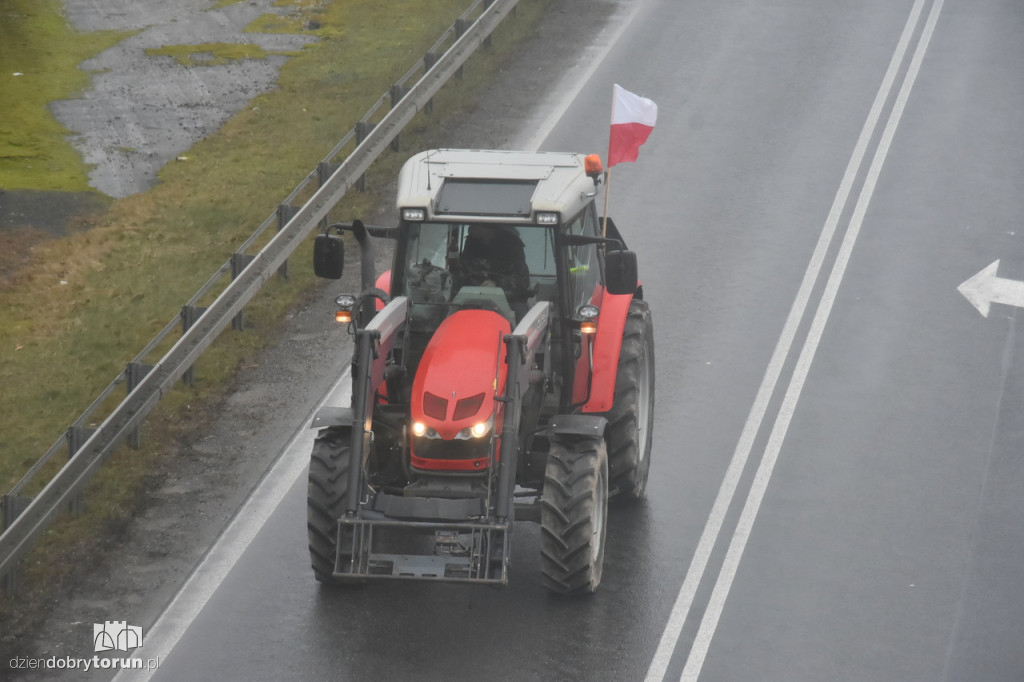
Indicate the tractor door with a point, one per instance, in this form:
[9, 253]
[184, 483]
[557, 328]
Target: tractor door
[583, 270]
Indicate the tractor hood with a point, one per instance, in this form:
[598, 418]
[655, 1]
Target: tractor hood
[462, 369]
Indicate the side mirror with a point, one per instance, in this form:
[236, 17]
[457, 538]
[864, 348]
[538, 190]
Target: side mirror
[620, 272]
[328, 256]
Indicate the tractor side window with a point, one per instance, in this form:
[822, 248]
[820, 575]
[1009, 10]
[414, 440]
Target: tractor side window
[539, 243]
[584, 268]
[427, 242]
[426, 278]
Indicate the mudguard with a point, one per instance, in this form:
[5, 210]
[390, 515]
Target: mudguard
[333, 416]
[607, 345]
[567, 427]
[384, 284]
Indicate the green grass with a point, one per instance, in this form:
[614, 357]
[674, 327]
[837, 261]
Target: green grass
[85, 304]
[37, 43]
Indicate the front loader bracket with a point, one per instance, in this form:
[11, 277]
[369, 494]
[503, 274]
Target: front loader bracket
[449, 552]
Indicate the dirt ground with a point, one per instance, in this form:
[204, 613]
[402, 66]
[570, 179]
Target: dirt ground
[215, 462]
[30, 216]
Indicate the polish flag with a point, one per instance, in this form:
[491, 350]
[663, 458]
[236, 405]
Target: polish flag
[633, 120]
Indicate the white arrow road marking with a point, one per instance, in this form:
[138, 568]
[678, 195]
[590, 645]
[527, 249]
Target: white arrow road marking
[985, 288]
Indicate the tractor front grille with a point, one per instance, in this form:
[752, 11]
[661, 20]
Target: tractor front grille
[461, 455]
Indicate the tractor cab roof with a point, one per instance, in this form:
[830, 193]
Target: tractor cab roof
[494, 186]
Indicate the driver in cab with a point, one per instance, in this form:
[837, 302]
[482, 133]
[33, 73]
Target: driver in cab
[494, 256]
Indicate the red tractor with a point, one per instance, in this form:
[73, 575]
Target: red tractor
[503, 370]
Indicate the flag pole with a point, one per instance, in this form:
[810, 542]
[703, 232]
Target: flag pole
[607, 191]
[608, 173]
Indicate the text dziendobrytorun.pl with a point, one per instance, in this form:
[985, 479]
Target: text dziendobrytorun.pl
[84, 664]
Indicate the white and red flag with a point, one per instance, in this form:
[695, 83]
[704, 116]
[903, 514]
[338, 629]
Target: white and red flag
[633, 119]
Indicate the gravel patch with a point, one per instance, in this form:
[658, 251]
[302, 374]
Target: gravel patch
[142, 111]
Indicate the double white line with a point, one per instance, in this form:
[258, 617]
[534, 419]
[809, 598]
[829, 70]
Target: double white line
[712, 530]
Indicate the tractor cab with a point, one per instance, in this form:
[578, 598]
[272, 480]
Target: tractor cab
[501, 231]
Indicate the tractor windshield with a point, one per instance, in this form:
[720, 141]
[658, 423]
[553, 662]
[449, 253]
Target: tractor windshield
[501, 267]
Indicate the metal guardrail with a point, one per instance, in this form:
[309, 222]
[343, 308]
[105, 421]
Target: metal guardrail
[25, 519]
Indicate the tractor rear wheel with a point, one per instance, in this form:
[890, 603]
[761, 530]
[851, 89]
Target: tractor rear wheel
[631, 419]
[574, 511]
[325, 502]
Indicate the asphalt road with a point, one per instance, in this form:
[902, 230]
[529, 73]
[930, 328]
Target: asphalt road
[837, 477]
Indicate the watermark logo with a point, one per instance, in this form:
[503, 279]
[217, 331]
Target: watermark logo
[116, 635]
[112, 635]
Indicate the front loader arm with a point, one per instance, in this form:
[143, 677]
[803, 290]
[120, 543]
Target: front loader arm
[372, 346]
[529, 336]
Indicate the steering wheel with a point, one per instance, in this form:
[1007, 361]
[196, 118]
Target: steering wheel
[429, 283]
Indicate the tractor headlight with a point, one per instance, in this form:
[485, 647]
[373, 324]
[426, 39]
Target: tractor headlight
[477, 430]
[346, 303]
[588, 318]
[421, 430]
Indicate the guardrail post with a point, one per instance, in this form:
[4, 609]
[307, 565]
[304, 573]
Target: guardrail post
[397, 93]
[460, 29]
[238, 263]
[284, 214]
[429, 59]
[363, 128]
[133, 374]
[324, 171]
[487, 5]
[76, 437]
[189, 315]
[12, 506]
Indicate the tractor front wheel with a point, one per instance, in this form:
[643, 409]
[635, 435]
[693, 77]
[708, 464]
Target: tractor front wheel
[631, 419]
[325, 502]
[574, 511]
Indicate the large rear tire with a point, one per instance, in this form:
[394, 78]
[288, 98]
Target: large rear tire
[574, 512]
[631, 419]
[325, 501]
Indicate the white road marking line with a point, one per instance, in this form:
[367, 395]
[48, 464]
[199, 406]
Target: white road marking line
[764, 471]
[207, 577]
[712, 529]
